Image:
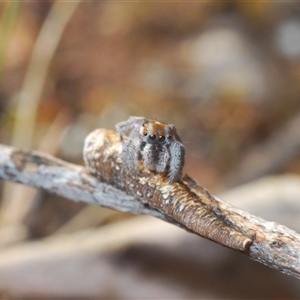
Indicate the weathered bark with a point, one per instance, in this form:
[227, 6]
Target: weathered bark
[183, 203]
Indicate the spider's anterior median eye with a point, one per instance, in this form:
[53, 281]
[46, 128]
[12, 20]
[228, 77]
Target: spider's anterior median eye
[152, 137]
[161, 138]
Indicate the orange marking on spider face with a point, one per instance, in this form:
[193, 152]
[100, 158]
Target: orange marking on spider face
[156, 128]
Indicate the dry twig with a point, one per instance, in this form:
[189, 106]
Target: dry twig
[270, 156]
[183, 203]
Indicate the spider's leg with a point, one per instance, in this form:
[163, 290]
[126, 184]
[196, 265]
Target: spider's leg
[176, 161]
[130, 155]
[149, 156]
[162, 160]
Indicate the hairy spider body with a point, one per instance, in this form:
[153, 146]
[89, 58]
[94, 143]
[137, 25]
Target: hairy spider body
[157, 144]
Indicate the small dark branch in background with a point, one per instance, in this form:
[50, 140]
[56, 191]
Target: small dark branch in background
[270, 156]
[183, 203]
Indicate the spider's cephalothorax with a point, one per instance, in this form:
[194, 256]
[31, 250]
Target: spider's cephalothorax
[157, 144]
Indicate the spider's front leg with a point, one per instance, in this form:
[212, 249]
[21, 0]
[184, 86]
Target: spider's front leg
[129, 135]
[130, 155]
[163, 159]
[149, 156]
[176, 161]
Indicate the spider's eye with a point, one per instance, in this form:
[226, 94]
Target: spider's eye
[161, 138]
[152, 137]
[145, 133]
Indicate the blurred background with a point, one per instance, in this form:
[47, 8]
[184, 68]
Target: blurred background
[226, 73]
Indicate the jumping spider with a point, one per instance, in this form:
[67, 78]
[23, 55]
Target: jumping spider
[157, 144]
